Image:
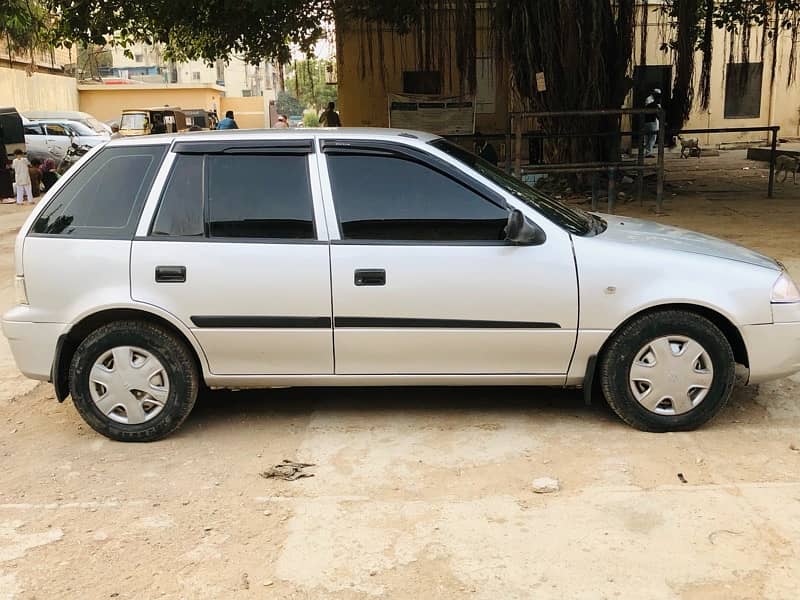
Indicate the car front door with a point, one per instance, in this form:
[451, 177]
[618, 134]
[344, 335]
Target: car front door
[237, 251]
[423, 281]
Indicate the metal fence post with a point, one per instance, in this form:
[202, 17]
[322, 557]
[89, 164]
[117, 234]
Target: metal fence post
[640, 171]
[660, 169]
[612, 189]
[508, 142]
[518, 150]
[772, 150]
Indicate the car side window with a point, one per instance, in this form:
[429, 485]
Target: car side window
[259, 196]
[104, 199]
[54, 129]
[381, 197]
[33, 130]
[181, 210]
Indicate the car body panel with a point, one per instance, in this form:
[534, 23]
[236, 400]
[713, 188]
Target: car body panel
[282, 282]
[637, 232]
[536, 327]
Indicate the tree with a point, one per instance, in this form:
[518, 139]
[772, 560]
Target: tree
[307, 81]
[208, 30]
[286, 104]
[582, 46]
[25, 28]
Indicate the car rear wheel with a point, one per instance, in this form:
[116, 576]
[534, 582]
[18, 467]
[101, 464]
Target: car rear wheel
[667, 371]
[133, 381]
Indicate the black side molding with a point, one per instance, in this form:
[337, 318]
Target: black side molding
[248, 322]
[414, 323]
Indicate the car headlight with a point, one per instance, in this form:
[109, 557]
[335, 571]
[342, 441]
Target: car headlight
[785, 291]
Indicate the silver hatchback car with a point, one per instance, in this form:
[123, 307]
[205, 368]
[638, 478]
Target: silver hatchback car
[371, 257]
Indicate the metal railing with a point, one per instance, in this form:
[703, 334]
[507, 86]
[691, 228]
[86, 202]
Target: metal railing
[513, 158]
[638, 165]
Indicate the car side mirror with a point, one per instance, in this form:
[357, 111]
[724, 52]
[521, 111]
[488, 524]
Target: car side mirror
[521, 232]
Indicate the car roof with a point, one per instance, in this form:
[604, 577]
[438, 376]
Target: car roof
[38, 115]
[377, 133]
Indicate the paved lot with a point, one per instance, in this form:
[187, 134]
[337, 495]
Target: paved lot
[419, 493]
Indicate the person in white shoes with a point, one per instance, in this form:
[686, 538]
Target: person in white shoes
[22, 177]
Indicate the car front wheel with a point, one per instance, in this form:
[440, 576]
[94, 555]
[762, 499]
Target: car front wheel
[667, 371]
[133, 381]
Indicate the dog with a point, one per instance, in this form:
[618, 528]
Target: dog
[785, 164]
[690, 147]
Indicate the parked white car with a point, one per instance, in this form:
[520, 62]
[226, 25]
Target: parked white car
[52, 139]
[371, 257]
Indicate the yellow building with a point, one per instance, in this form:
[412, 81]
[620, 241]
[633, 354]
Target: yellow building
[106, 102]
[370, 72]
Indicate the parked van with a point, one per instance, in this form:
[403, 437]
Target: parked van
[70, 115]
[12, 135]
[150, 121]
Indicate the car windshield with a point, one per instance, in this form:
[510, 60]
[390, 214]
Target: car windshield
[96, 126]
[574, 220]
[81, 129]
[133, 121]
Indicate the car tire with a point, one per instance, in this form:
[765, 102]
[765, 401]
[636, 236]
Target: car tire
[133, 381]
[650, 361]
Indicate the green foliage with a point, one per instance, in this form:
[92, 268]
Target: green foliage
[25, 27]
[310, 118]
[188, 29]
[307, 81]
[288, 105]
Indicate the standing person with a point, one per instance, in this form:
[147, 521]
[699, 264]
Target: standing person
[329, 117]
[22, 176]
[228, 122]
[35, 172]
[651, 123]
[6, 187]
[485, 150]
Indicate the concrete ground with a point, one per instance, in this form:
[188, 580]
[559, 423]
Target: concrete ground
[417, 493]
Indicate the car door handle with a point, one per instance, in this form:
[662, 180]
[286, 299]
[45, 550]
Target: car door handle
[170, 274]
[364, 277]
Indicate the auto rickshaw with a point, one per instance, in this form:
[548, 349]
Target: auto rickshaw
[152, 121]
[198, 119]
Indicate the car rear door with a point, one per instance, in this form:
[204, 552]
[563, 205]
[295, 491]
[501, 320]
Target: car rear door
[237, 249]
[58, 139]
[36, 142]
[423, 281]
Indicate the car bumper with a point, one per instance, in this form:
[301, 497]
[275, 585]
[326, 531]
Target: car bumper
[33, 346]
[773, 350]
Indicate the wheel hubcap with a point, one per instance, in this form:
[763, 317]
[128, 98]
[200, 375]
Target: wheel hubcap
[129, 385]
[671, 375]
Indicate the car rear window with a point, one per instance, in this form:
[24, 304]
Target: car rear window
[104, 198]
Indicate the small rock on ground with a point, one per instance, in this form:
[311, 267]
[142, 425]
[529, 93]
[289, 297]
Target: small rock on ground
[546, 485]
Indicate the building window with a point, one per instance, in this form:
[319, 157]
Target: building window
[422, 82]
[138, 58]
[247, 93]
[743, 83]
[195, 75]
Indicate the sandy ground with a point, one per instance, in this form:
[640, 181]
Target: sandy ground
[418, 493]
